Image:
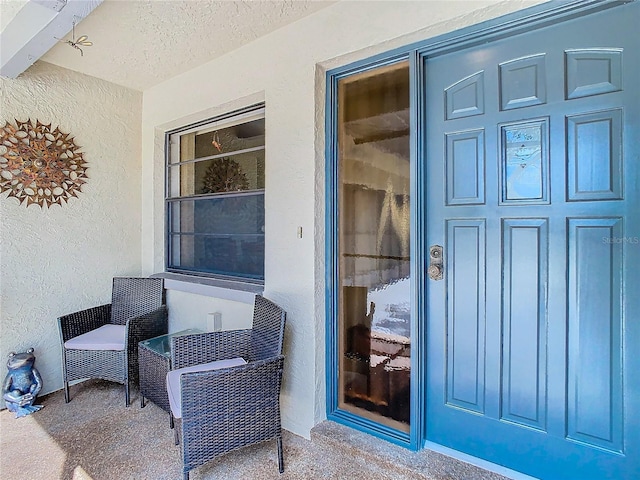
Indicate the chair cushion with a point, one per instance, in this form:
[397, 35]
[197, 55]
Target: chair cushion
[173, 380]
[106, 337]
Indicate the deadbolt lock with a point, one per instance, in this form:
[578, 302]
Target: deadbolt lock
[436, 266]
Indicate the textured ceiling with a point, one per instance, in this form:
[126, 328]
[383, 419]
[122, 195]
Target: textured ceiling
[140, 43]
[9, 9]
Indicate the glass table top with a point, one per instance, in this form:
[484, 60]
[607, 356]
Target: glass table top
[162, 344]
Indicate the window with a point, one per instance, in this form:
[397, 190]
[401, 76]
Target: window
[215, 197]
[372, 246]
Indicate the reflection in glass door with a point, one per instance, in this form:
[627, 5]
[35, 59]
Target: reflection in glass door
[374, 341]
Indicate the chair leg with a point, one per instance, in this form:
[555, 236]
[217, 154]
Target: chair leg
[171, 424]
[66, 392]
[141, 401]
[185, 476]
[127, 378]
[280, 455]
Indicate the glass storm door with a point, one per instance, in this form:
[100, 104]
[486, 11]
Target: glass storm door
[533, 190]
[373, 288]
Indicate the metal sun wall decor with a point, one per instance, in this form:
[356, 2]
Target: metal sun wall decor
[39, 165]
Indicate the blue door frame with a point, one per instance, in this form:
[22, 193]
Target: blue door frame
[519, 22]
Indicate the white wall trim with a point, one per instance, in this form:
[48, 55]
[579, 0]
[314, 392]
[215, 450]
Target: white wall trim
[234, 290]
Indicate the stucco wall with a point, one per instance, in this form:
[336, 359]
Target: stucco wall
[61, 259]
[286, 69]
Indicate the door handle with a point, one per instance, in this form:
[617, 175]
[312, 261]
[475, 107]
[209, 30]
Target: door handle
[436, 265]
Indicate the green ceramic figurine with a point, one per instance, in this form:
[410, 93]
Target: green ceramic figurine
[22, 384]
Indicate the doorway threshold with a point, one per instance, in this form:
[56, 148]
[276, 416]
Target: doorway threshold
[432, 463]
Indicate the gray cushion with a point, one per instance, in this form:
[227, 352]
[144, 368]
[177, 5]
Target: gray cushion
[106, 337]
[173, 380]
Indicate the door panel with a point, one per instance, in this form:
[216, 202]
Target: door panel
[524, 318]
[532, 153]
[594, 156]
[594, 404]
[465, 330]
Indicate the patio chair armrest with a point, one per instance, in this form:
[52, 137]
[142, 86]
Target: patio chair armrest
[226, 395]
[147, 326]
[141, 328]
[188, 350]
[84, 321]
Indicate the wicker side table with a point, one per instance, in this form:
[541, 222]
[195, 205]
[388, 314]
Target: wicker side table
[154, 358]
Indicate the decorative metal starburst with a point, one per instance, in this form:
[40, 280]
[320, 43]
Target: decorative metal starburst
[39, 165]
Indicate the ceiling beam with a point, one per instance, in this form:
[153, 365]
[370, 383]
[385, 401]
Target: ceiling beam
[37, 27]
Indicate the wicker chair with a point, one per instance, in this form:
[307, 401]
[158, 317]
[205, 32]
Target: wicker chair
[225, 389]
[102, 342]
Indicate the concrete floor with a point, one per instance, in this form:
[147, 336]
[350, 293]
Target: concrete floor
[95, 437]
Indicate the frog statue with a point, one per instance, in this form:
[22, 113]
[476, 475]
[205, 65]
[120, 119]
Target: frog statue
[22, 384]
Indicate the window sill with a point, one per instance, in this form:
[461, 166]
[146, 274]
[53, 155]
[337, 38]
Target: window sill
[235, 290]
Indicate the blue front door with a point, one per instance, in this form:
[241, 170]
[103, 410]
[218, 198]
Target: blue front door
[532, 147]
